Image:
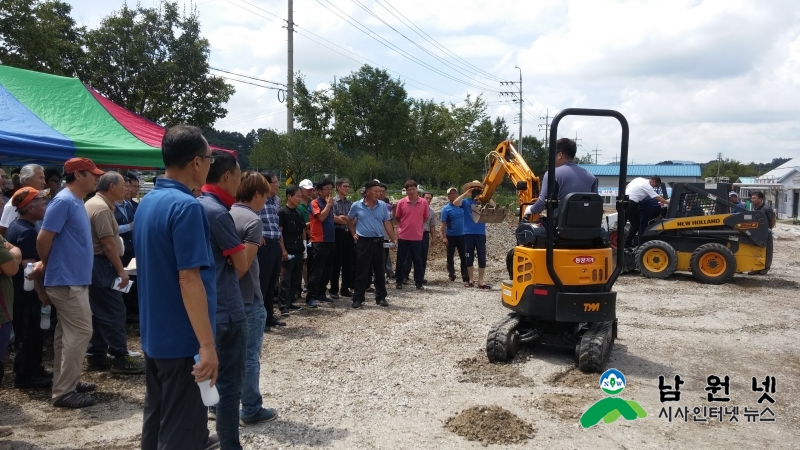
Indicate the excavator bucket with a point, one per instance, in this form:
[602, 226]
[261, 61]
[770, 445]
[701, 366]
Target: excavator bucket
[489, 213]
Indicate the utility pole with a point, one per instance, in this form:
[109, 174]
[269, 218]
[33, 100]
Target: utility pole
[546, 126]
[518, 95]
[596, 153]
[719, 164]
[290, 73]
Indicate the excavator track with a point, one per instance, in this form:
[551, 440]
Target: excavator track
[502, 343]
[594, 346]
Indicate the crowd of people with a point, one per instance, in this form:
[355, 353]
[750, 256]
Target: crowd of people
[221, 257]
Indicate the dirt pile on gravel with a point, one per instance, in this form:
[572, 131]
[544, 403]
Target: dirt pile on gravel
[490, 425]
[480, 370]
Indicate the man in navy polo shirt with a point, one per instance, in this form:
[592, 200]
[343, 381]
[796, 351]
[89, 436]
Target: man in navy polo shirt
[219, 193]
[177, 296]
[322, 243]
[369, 220]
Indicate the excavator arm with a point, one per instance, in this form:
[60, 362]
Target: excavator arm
[504, 160]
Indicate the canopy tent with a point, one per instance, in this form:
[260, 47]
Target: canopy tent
[47, 119]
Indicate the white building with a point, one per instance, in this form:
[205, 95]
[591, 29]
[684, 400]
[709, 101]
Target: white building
[781, 187]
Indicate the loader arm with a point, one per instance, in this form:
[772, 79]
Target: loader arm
[505, 161]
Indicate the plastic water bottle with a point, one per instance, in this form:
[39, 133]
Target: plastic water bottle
[290, 257]
[28, 284]
[45, 322]
[210, 394]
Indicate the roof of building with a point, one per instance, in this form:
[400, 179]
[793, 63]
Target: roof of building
[780, 173]
[747, 180]
[645, 170]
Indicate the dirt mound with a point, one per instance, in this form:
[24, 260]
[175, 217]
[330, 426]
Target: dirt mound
[480, 370]
[490, 425]
[574, 378]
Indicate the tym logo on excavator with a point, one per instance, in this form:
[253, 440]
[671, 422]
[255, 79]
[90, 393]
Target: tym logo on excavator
[591, 307]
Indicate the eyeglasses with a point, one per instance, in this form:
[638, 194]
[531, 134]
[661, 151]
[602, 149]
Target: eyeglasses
[346, 186]
[210, 159]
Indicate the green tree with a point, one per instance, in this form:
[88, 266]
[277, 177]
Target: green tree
[302, 152]
[371, 112]
[312, 110]
[535, 154]
[585, 159]
[154, 62]
[728, 168]
[40, 35]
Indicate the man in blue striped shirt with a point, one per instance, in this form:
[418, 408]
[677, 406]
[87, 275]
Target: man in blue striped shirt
[270, 253]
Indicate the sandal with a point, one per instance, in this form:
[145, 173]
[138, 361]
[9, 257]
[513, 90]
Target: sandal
[74, 400]
[484, 286]
[468, 284]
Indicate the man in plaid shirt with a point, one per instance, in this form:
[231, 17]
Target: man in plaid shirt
[270, 254]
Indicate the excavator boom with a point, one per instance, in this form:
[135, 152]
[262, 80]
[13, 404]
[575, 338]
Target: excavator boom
[504, 160]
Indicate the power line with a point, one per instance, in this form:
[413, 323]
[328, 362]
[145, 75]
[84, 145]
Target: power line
[435, 43]
[247, 76]
[357, 2]
[248, 82]
[364, 29]
[253, 12]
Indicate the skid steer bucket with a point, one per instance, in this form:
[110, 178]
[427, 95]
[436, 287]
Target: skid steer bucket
[489, 213]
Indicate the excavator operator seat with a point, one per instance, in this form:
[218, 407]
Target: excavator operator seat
[580, 219]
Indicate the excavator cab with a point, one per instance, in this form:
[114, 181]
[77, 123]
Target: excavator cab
[562, 272]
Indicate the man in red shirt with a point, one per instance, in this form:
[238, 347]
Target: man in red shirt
[411, 213]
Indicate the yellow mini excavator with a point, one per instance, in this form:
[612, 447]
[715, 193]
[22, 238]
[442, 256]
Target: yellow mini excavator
[561, 273]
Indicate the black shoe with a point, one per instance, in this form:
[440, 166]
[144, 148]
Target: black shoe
[275, 323]
[295, 307]
[346, 293]
[324, 299]
[74, 400]
[399, 286]
[452, 277]
[34, 382]
[263, 415]
[334, 296]
[357, 305]
[85, 386]
[97, 364]
[420, 287]
[285, 312]
[381, 303]
[424, 281]
[212, 442]
[127, 365]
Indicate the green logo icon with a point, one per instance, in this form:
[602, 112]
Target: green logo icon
[610, 409]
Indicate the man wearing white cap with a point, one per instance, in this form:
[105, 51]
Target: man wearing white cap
[308, 194]
[733, 197]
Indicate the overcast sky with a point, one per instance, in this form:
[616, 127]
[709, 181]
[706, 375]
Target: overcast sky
[694, 78]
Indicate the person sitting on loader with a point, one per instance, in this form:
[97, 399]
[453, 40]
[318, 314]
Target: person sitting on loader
[644, 205]
[569, 176]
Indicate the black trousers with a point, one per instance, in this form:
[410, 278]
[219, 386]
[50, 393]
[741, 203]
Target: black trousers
[108, 313]
[291, 278]
[426, 245]
[412, 249]
[632, 214]
[369, 257]
[269, 271]
[456, 243]
[321, 269]
[28, 340]
[344, 257]
[174, 414]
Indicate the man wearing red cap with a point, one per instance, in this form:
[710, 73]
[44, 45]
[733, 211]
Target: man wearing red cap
[28, 370]
[64, 244]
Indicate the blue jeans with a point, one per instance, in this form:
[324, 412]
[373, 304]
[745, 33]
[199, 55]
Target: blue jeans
[256, 317]
[231, 341]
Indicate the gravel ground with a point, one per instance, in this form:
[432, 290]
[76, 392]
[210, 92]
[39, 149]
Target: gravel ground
[392, 377]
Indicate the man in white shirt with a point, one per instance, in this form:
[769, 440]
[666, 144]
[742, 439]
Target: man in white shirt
[31, 175]
[644, 205]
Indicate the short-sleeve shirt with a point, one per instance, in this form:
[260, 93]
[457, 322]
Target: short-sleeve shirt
[70, 260]
[22, 234]
[453, 218]
[224, 242]
[303, 209]
[104, 224]
[321, 231]
[369, 220]
[769, 212]
[269, 218]
[431, 222]
[6, 287]
[411, 218]
[470, 226]
[171, 234]
[10, 214]
[341, 208]
[248, 227]
[292, 226]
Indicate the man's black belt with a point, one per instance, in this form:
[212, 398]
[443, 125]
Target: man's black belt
[371, 239]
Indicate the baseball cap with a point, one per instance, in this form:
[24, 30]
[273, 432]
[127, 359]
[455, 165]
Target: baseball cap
[77, 164]
[452, 189]
[306, 184]
[24, 196]
[733, 194]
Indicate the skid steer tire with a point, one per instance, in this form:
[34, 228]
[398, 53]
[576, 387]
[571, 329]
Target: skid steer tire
[656, 259]
[502, 343]
[595, 346]
[713, 264]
